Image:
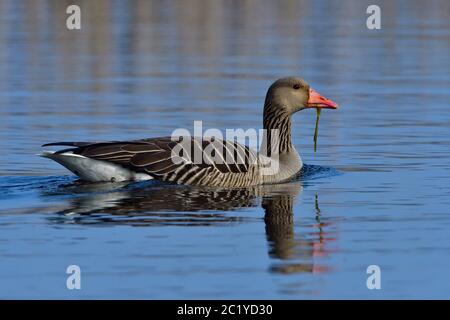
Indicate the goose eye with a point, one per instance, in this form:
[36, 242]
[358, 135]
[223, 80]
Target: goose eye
[296, 86]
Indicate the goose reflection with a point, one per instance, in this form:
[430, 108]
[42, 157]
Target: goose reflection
[141, 204]
[288, 247]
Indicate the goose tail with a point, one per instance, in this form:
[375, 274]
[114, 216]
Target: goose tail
[93, 170]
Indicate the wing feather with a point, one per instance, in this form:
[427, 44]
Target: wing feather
[155, 156]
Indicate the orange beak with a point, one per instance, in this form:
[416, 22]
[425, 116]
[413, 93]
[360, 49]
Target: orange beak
[316, 100]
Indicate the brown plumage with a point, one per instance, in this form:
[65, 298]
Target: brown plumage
[200, 161]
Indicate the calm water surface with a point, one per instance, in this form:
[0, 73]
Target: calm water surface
[376, 192]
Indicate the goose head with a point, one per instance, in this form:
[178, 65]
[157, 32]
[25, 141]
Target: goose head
[292, 94]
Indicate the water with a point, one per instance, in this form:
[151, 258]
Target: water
[376, 192]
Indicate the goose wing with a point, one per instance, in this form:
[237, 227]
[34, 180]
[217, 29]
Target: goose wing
[169, 159]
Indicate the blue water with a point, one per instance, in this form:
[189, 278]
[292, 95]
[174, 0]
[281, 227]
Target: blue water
[376, 192]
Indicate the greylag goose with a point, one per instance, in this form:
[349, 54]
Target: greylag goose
[155, 158]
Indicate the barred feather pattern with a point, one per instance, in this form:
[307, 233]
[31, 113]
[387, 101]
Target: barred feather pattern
[201, 161]
[277, 121]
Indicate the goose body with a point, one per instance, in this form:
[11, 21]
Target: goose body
[201, 161]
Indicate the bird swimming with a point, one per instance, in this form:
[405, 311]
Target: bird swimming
[229, 163]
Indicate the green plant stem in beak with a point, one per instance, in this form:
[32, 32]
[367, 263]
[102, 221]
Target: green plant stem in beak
[316, 131]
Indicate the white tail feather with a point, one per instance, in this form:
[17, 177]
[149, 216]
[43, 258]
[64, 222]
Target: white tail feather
[94, 170]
